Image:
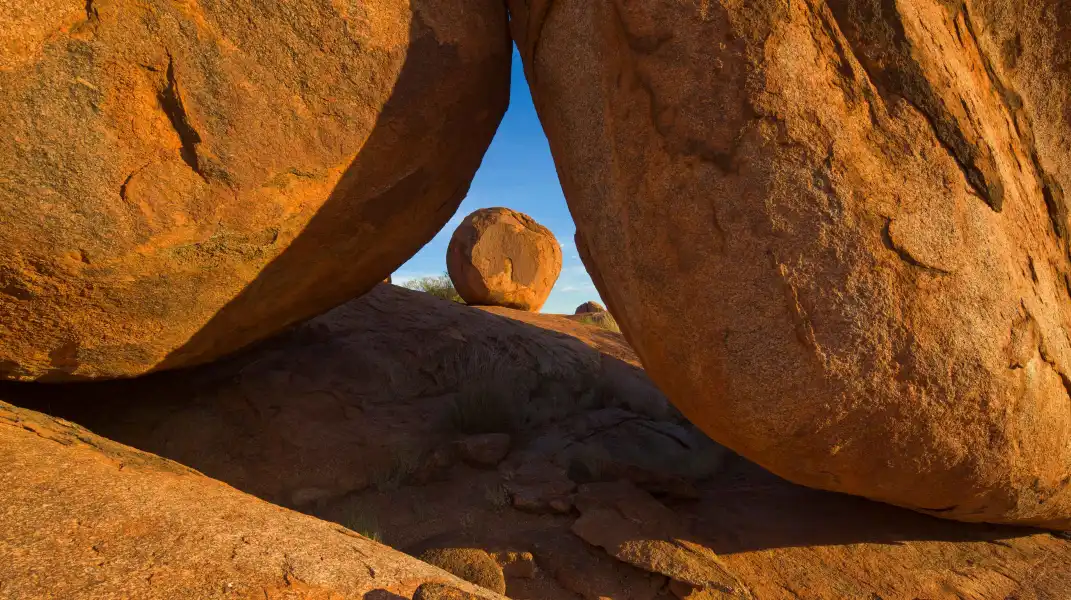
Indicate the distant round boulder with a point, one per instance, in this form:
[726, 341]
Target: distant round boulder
[590, 307]
[500, 257]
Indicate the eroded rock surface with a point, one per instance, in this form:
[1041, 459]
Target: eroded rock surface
[500, 257]
[361, 396]
[636, 529]
[86, 518]
[293, 419]
[834, 231]
[178, 180]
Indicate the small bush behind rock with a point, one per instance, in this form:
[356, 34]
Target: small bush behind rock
[601, 319]
[440, 287]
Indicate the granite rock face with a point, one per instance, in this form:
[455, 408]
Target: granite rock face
[837, 236]
[178, 180]
[134, 525]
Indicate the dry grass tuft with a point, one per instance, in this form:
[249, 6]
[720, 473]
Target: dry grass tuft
[363, 521]
[487, 406]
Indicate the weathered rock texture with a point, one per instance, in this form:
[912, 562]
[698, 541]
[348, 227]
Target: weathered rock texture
[85, 517]
[350, 399]
[636, 529]
[835, 231]
[333, 400]
[474, 565]
[500, 257]
[180, 179]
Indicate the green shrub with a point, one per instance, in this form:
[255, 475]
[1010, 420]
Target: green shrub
[603, 319]
[440, 287]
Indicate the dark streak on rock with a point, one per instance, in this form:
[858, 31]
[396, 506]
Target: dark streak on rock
[1050, 189]
[876, 33]
[171, 101]
[886, 238]
[1045, 356]
[92, 15]
[941, 510]
[1054, 200]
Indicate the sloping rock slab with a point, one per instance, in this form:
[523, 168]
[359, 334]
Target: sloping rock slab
[788, 542]
[637, 529]
[340, 402]
[87, 518]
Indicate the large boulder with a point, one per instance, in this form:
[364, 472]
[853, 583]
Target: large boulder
[179, 179]
[500, 257]
[834, 231]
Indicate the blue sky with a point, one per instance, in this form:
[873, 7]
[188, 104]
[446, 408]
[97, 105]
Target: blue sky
[517, 173]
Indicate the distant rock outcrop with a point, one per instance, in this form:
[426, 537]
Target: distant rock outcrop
[590, 306]
[838, 237]
[180, 179]
[500, 257]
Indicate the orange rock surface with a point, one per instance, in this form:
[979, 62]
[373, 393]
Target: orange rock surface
[834, 231]
[87, 518]
[352, 394]
[500, 257]
[179, 179]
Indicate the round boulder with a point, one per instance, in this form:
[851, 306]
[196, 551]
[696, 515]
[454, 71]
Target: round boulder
[500, 257]
[180, 179]
[471, 564]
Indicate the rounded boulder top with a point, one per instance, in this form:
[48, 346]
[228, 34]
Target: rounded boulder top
[500, 257]
[589, 307]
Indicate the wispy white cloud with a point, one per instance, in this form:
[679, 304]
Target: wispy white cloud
[569, 289]
[403, 277]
